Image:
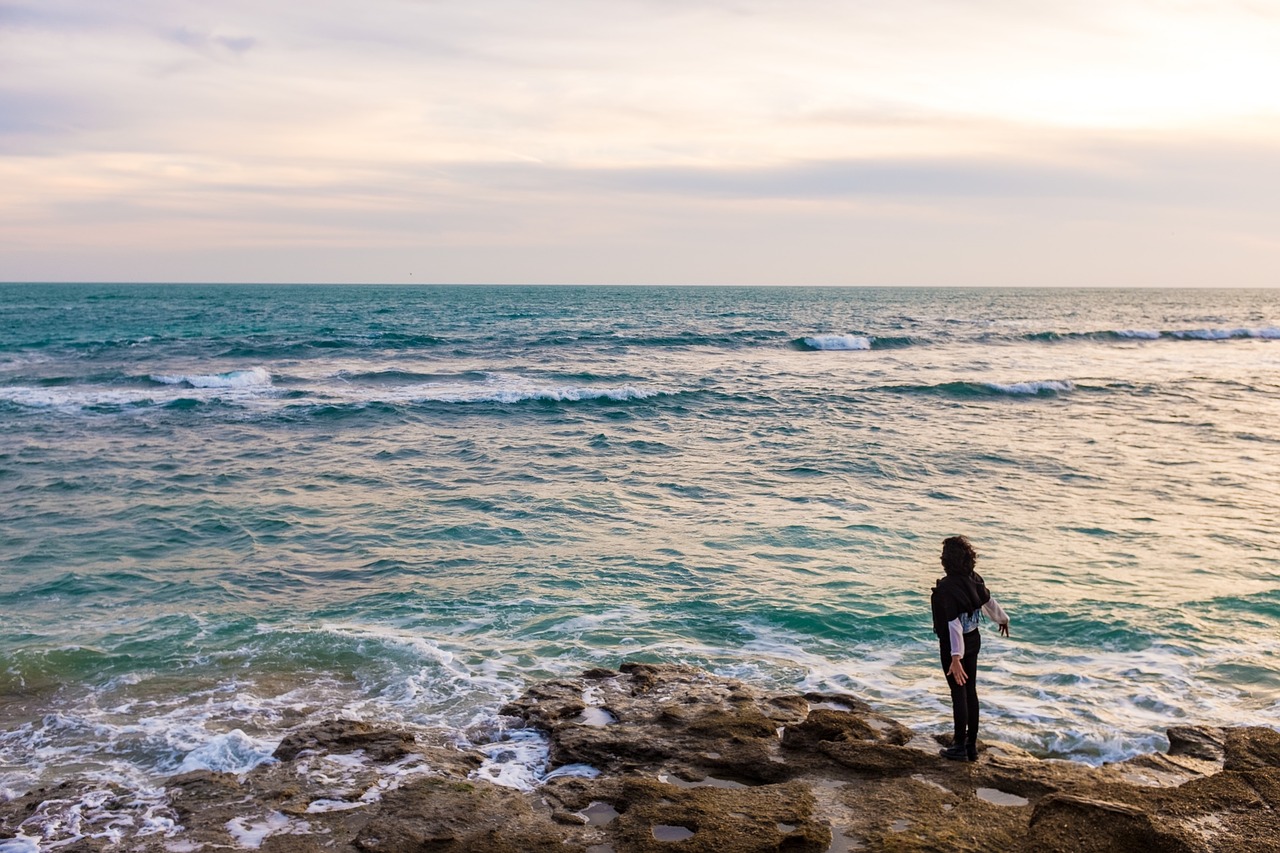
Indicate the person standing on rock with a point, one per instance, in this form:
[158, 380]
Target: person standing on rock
[959, 598]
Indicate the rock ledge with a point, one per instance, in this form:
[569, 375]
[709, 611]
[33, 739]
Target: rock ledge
[671, 758]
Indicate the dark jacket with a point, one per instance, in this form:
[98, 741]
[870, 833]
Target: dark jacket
[956, 594]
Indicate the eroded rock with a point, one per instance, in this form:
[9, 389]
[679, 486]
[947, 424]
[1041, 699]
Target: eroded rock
[341, 736]
[1252, 748]
[1073, 824]
[693, 762]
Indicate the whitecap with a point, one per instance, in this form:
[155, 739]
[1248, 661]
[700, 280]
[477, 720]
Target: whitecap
[564, 394]
[1265, 333]
[254, 376]
[1052, 386]
[1140, 334]
[71, 399]
[839, 342]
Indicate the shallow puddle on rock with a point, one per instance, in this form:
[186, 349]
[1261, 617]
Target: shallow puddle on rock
[899, 826]
[922, 742]
[828, 706]
[924, 780]
[584, 771]
[841, 843]
[599, 814]
[785, 828]
[1001, 798]
[706, 782]
[663, 832]
[596, 717]
[601, 848]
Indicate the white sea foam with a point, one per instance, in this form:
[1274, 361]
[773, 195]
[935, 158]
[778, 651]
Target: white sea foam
[839, 342]
[254, 376]
[392, 776]
[576, 626]
[240, 386]
[352, 781]
[584, 771]
[234, 752]
[19, 844]
[432, 676]
[518, 760]
[250, 834]
[134, 744]
[72, 399]
[98, 814]
[322, 806]
[490, 387]
[1052, 385]
[349, 760]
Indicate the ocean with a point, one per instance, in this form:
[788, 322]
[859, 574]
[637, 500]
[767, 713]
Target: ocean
[231, 510]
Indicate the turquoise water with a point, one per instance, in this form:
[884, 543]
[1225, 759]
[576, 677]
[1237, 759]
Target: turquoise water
[231, 509]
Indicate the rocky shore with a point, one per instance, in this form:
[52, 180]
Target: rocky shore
[671, 758]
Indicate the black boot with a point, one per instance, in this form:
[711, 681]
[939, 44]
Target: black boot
[971, 748]
[956, 752]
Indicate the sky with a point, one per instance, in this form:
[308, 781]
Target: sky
[978, 143]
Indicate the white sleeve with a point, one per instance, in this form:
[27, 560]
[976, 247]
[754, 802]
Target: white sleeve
[995, 612]
[957, 637]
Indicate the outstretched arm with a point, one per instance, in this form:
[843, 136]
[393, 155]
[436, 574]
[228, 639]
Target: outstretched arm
[997, 615]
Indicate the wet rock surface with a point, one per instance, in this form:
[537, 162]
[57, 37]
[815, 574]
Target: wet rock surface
[686, 761]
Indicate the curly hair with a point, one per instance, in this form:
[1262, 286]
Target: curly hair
[958, 556]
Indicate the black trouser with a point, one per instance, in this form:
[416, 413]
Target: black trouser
[964, 699]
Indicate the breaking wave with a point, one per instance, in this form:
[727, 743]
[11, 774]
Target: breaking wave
[568, 394]
[254, 376]
[1267, 333]
[1042, 388]
[835, 342]
[1224, 334]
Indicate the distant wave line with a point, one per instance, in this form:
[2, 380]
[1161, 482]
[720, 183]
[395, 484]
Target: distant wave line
[1206, 334]
[963, 389]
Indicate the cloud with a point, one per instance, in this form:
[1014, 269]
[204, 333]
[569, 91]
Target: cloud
[511, 127]
[32, 114]
[211, 43]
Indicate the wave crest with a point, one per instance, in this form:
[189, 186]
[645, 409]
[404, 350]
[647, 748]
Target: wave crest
[1049, 386]
[1266, 333]
[1224, 334]
[837, 342]
[568, 394]
[254, 376]
[1041, 388]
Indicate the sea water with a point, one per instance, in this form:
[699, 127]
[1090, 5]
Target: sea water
[231, 510]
